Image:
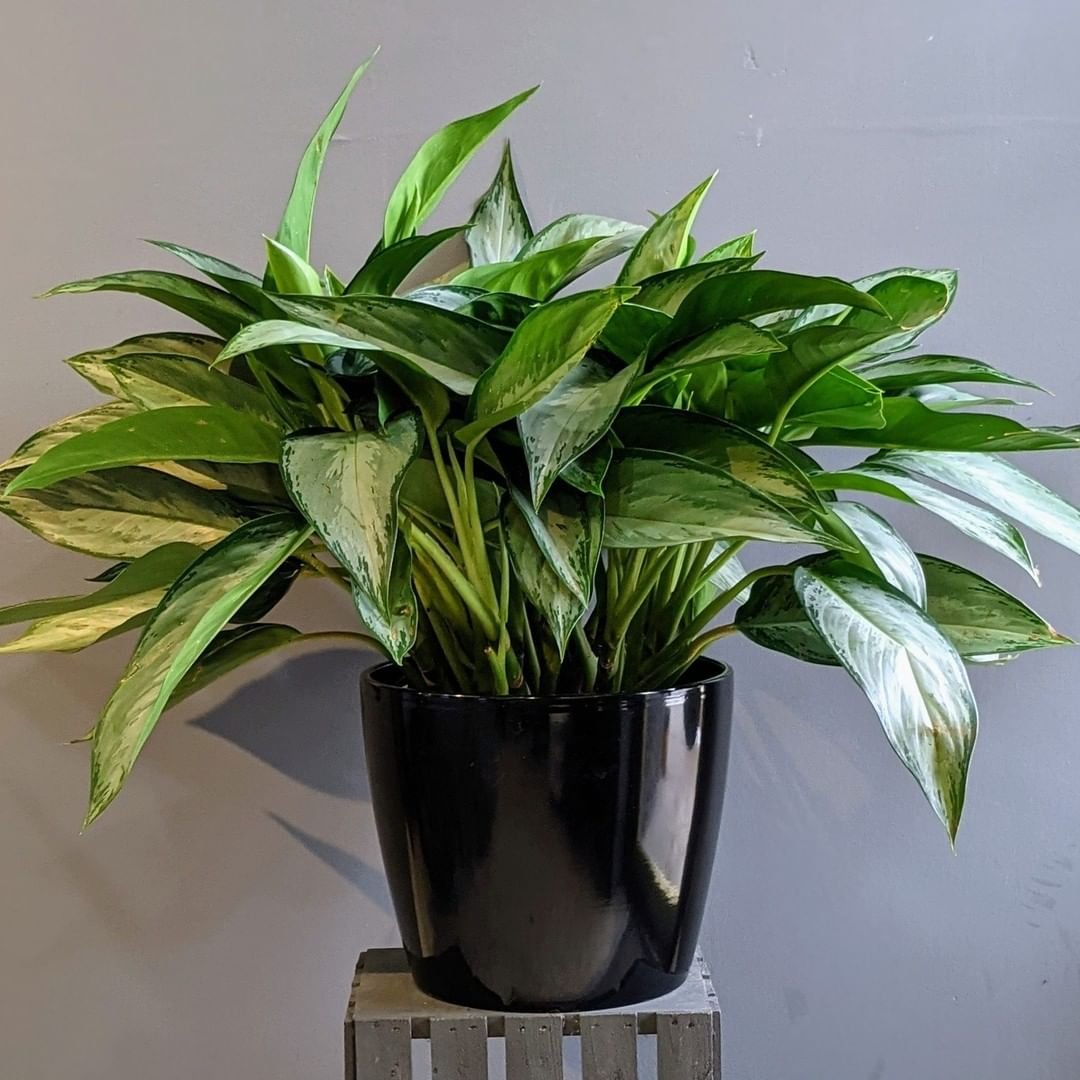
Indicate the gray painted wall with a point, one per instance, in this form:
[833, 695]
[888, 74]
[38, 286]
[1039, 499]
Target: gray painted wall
[208, 924]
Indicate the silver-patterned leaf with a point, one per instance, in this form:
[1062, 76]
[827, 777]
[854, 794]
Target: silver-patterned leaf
[899, 565]
[346, 484]
[908, 669]
[500, 225]
[656, 499]
[123, 513]
[570, 419]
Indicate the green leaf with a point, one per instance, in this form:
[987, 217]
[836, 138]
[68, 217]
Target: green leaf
[811, 354]
[980, 524]
[204, 432]
[447, 346]
[67, 623]
[998, 483]
[294, 231]
[435, 167]
[631, 329]
[561, 606]
[656, 499]
[911, 425]
[213, 308]
[346, 484]
[88, 420]
[587, 472]
[247, 288]
[664, 245]
[291, 272]
[899, 373]
[548, 344]
[568, 529]
[427, 394]
[231, 649]
[390, 266]
[982, 620]
[192, 612]
[500, 225]
[422, 493]
[773, 617]
[272, 591]
[665, 292]
[753, 293]
[913, 299]
[536, 276]
[715, 346]
[566, 422]
[719, 444]
[156, 381]
[898, 564]
[908, 669]
[739, 247]
[122, 514]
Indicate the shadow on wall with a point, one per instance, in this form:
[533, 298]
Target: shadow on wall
[302, 719]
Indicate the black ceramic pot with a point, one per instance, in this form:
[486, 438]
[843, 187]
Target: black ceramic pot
[548, 853]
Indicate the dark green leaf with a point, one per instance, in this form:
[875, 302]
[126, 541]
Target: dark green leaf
[753, 293]
[911, 425]
[536, 276]
[630, 330]
[665, 292]
[587, 472]
[390, 266]
[898, 373]
[231, 649]
[213, 308]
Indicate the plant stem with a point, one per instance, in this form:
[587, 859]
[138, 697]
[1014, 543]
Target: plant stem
[331, 573]
[472, 600]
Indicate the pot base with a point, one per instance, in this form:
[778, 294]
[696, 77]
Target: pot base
[449, 978]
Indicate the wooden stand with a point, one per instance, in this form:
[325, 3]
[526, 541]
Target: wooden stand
[386, 1012]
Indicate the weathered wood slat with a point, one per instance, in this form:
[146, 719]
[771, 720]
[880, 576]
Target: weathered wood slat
[609, 1047]
[534, 1047]
[459, 1049]
[382, 1050]
[684, 1047]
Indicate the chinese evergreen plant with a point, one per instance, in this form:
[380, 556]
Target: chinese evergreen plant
[527, 491]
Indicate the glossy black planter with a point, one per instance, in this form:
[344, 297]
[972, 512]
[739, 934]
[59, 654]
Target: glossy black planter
[548, 853]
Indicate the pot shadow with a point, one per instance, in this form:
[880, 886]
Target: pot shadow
[369, 880]
[302, 719]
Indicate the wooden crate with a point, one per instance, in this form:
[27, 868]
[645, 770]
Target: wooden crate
[386, 1012]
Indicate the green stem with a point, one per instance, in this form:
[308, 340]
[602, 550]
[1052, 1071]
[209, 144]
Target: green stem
[484, 616]
[589, 662]
[346, 635]
[331, 573]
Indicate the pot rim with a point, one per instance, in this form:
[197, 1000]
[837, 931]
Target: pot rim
[376, 676]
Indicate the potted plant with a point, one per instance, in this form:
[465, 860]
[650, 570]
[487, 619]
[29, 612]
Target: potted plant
[539, 498]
